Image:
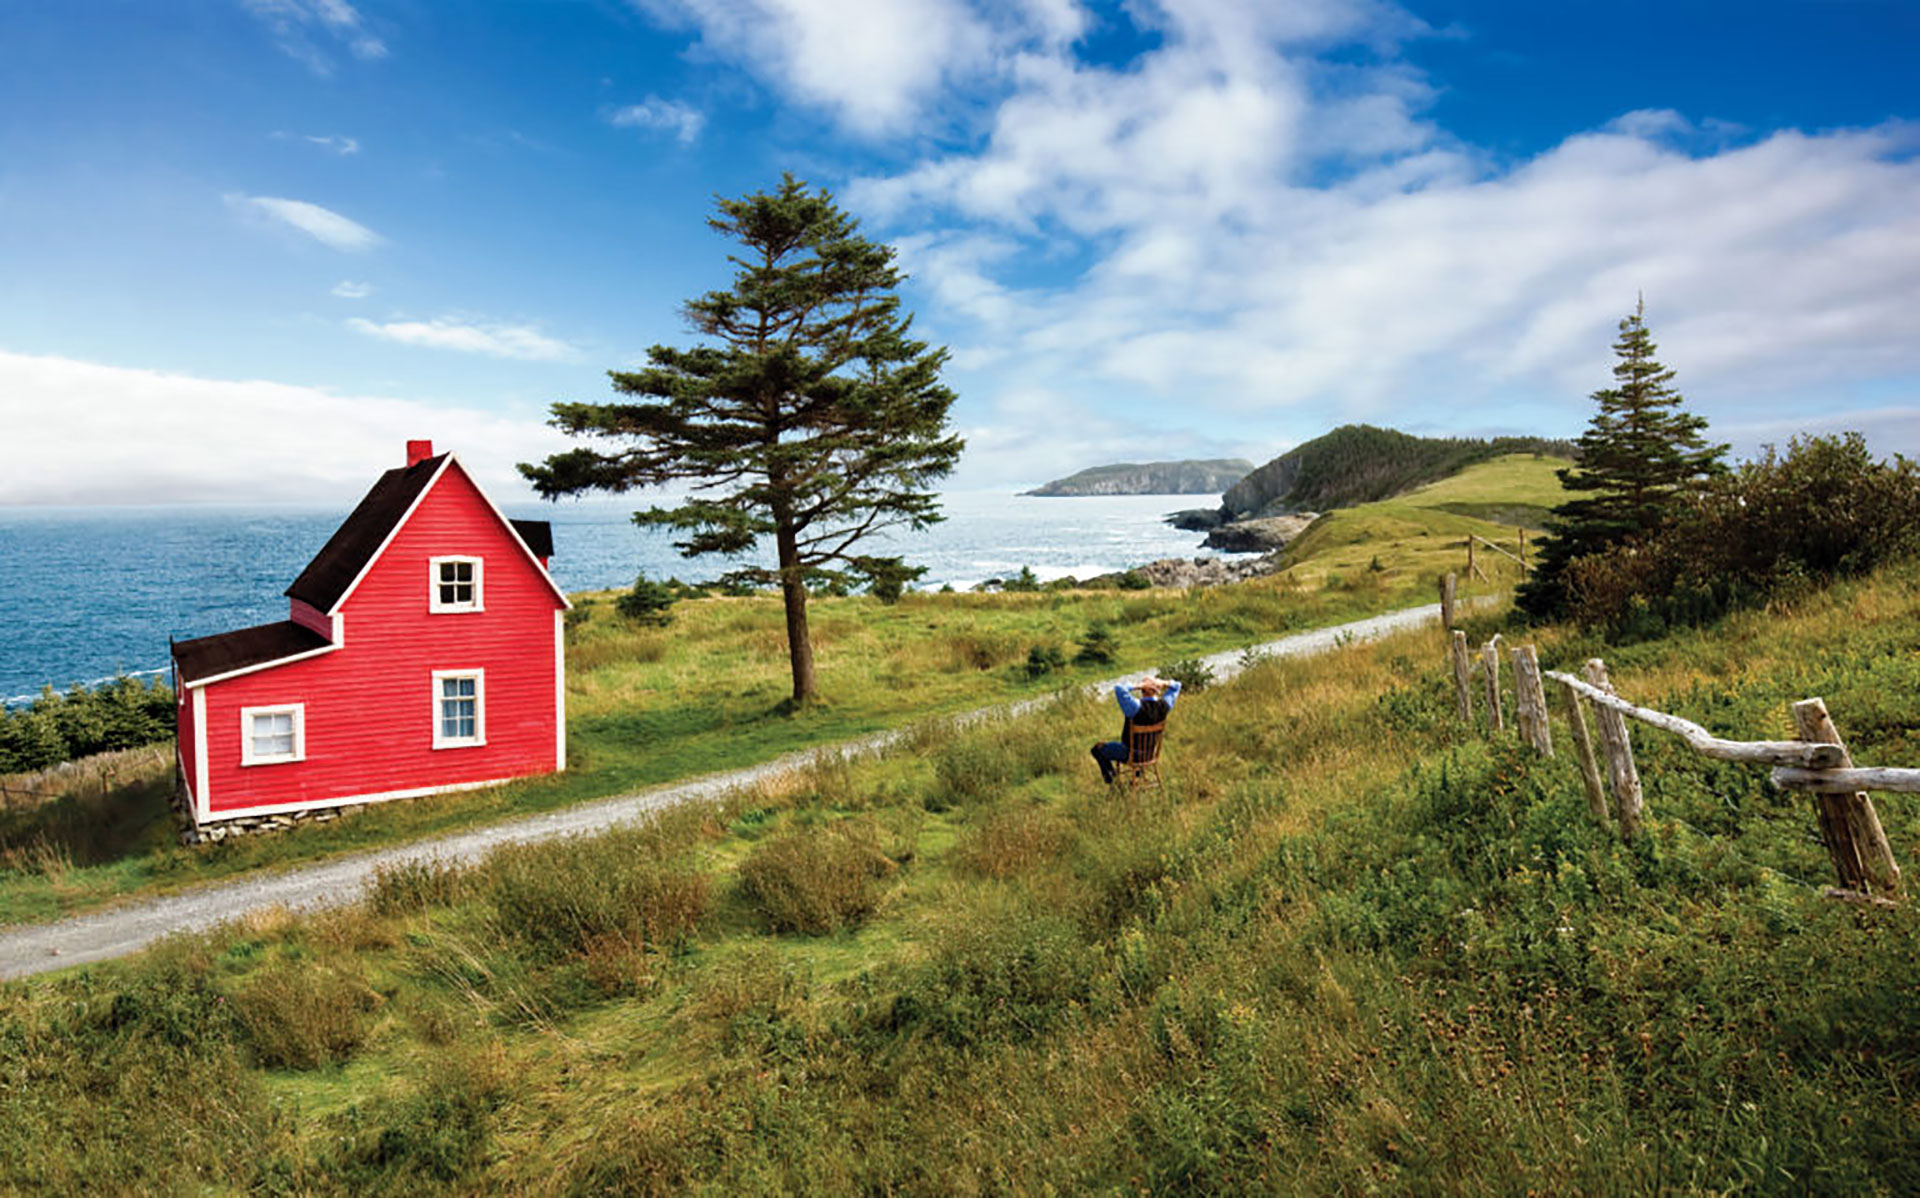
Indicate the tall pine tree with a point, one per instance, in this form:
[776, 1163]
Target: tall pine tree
[1639, 457]
[809, 415]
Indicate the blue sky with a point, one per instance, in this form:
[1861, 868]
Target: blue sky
[248, 246]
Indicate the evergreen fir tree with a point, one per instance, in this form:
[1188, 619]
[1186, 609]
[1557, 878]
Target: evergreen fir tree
[810, 415]
[1639, 458]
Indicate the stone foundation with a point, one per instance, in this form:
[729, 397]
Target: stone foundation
[193, 832]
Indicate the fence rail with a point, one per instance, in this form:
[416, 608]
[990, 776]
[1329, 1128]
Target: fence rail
[1761, 752]
[1817, 763]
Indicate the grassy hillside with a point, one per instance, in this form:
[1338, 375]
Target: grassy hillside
[1422, 533]
[1350, 946]
[651, 705]
[1358, 463]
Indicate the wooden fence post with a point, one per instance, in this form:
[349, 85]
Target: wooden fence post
[1473, 570]
[1583, 749]
[1522, 529]
[1446, 600]
[1848, 823]
[1462, 690]
[1619, 747]
[1530, 701]
[1490, 659]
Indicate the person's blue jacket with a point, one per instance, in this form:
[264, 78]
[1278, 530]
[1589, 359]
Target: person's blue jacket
[1130, 706]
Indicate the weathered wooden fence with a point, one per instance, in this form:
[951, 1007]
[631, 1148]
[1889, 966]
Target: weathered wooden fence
[1818, 762]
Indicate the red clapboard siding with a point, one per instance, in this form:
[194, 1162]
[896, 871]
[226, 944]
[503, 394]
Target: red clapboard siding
[371, 705]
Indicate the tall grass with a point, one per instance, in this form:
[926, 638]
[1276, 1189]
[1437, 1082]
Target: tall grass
[648, 705]
[1349, 946]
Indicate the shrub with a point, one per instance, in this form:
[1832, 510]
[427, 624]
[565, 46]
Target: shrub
[1097, 647]
[1026, 580]
[969, 768]
[981, 649]
[409, 886]
[123, 714]
[1044, 659]
[1004, 976]
[304, 1016]
[437, 1132]
[887, 580]
[562, 898]
[1191, 673]
[1825, 510]
[1012, 842]
[1134, 580]
[649, 602]
[817, 880]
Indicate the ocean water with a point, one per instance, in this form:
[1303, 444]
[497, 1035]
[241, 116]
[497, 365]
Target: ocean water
[86, 593]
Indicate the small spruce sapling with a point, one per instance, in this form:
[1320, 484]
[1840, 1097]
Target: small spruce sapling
[649, 602]
[1097, 647]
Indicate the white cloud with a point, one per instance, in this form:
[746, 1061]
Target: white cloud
[522, 342]
[1029, 435]
[324, 225]
[306, 30]
[1286, 244]
[343, 146]
[666, 116]
[348, 289]
[873, 64]
[83, 433]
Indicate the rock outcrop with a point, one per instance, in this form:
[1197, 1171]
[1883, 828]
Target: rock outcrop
[1205, 477]
[1262, 535]
[1196, 519]
[1206, 571]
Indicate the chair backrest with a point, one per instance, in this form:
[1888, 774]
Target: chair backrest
[1143, 742]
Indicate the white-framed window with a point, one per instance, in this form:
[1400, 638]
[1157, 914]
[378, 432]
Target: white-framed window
[459, 708]
[455, 584]
[272, 735]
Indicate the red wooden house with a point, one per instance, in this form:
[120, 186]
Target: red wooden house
[423, 653]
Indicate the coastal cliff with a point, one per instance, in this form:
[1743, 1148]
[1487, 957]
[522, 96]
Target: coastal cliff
[1193, 477]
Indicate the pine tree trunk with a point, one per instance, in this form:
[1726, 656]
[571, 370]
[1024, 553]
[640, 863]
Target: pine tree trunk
[793, 590]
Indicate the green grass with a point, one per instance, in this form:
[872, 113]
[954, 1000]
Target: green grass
[651, 705]
[1422, 534]
[1351, 945]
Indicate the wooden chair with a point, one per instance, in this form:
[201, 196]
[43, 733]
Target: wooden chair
[1142, 766]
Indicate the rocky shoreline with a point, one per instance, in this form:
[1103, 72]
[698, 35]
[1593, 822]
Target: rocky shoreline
[1266, 536]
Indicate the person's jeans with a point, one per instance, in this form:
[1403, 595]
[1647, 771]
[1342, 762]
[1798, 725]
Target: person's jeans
[1109, 755]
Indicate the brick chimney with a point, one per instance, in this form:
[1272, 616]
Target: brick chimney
[418, 451]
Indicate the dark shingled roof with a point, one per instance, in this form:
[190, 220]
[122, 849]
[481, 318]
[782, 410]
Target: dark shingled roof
[354, 543]
[538, 534]
[210, 655]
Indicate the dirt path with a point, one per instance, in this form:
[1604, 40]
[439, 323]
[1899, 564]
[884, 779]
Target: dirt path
[38, 948]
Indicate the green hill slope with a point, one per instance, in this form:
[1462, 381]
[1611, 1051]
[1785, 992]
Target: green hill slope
[1358, 463]
[1424, 530]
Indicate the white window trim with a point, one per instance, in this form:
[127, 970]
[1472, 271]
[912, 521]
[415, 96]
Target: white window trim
[299, 713]
[479, 736]
[433, 585]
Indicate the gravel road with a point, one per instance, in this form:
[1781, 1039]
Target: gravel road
[38, 948]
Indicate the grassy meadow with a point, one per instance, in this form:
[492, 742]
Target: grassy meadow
[1351, 945]
[1421, 533]
[651, 705]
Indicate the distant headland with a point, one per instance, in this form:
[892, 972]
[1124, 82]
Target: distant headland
[1192, 477]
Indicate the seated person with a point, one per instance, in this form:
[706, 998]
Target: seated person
[1155, 701]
